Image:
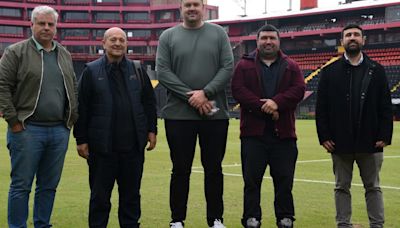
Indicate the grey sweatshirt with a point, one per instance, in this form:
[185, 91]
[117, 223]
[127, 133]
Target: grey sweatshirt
[194, 59]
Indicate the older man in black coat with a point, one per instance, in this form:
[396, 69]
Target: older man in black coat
[117, 116]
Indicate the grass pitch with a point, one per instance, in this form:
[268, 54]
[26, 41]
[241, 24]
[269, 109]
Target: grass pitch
[313, 187]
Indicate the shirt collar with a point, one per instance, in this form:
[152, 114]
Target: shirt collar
[275, 62]
[40, 47]
[115, 66]
[358, 63]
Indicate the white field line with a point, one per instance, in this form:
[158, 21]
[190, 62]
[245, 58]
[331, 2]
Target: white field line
[298, 162]
[304, 180]
[195, 170]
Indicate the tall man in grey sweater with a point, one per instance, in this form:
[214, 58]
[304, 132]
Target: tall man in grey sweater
[195, 63]
[38, 100]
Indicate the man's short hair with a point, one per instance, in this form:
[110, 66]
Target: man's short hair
[43, 10]
[267, 28]
[202, 2]
[351, 26]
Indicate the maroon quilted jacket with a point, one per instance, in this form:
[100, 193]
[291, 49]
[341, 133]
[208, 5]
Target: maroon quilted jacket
[247, 89]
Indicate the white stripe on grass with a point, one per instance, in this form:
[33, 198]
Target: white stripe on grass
[195, 170]
[304, 180]
[300, 162]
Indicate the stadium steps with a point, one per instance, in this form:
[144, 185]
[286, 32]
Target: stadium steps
[395, 87]
[316, 72]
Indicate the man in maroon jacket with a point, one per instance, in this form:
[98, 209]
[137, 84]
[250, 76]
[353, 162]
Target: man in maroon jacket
[268, 85]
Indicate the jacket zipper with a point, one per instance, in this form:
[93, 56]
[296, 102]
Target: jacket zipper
[351, 101]
[363, 95]
[66, 91]
[37, 98]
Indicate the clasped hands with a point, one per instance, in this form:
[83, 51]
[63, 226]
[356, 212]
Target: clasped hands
[270, 107]
[198, 100]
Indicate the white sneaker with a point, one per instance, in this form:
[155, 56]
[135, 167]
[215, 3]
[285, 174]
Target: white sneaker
[176, 225]
[252, 223]
[218, 224]
[285, 223]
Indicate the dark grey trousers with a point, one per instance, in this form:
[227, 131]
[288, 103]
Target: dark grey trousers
[369, 165]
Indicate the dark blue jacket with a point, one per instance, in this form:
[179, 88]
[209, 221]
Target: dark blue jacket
[94, 125]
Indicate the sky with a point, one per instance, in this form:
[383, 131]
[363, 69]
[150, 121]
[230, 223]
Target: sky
[229, 9]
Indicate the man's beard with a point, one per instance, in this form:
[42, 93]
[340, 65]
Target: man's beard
[353, 50]
[267, 54]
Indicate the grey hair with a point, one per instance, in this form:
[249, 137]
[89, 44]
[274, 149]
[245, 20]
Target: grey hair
[43, 10]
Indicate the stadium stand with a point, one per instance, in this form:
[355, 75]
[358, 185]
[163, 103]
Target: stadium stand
[311, 37]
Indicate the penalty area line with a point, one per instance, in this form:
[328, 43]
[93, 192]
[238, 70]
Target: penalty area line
[298, 162]
[304, 180]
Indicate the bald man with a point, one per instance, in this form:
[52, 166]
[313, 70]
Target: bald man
[117, 118]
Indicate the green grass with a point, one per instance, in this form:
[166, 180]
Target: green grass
[313, 201]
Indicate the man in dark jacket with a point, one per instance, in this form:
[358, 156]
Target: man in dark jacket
[354, 123]
[117, 118]
[268, 85]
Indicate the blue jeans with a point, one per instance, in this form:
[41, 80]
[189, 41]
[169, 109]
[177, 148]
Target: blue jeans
[40, 151]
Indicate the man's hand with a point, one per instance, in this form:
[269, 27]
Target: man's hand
[205, 108]
[269, 106]
[17, 127]
[329, 145]
[83, 150]
[275, 116]
[380, 144]
[152, 139]
[197, 98]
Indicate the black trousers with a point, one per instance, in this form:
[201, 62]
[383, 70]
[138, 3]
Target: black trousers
[281, 155]
[182, 136]
[124, 167]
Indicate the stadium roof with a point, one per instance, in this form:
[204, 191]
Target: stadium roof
[339, 8]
